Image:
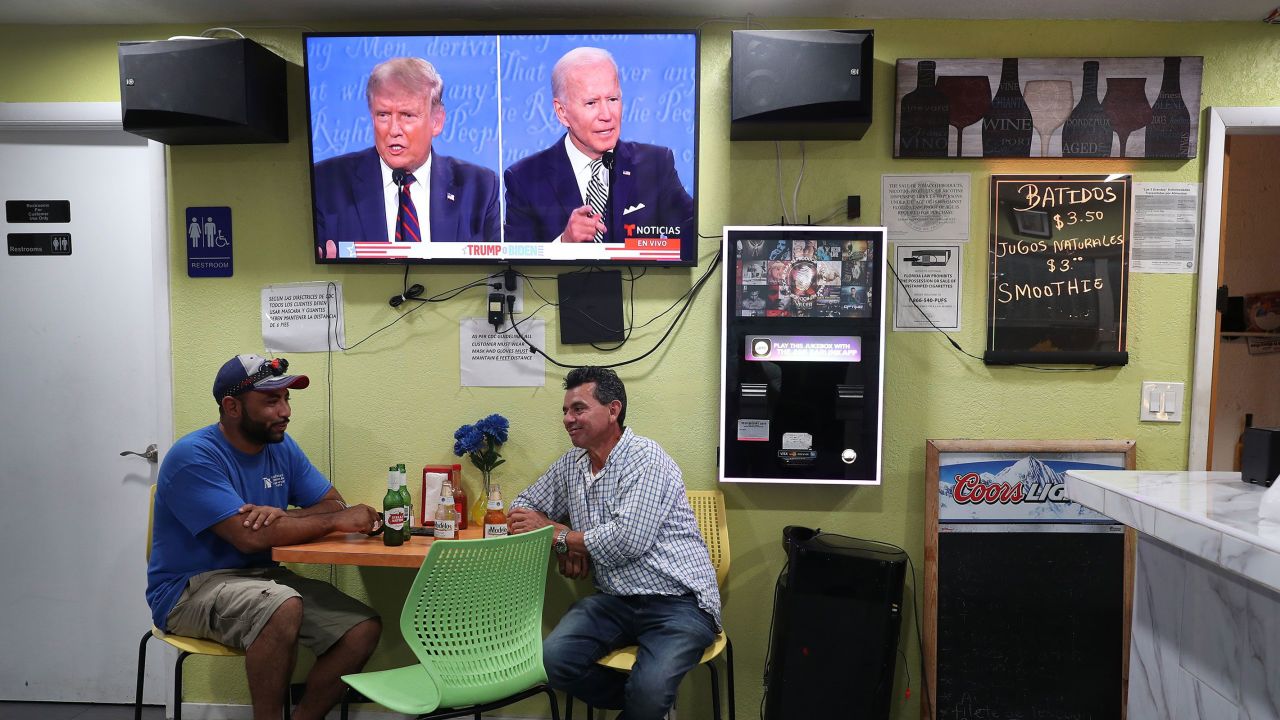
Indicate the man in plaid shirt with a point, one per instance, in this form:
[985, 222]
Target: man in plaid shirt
[618, 504]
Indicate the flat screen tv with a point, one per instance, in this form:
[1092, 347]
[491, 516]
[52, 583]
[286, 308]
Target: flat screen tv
[594, 164]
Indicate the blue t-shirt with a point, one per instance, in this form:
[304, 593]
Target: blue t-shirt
[203, 481]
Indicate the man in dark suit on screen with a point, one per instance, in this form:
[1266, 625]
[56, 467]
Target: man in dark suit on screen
[382, 192]
[589, 186]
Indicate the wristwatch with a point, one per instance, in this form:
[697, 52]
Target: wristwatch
[561, 545]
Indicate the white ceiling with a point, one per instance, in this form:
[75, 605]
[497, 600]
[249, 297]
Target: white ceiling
[588, 12]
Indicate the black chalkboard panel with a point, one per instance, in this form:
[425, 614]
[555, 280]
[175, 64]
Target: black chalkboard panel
[1059, 269]
[1030, 626]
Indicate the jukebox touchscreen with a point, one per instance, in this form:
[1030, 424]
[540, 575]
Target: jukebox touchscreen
[802, 345]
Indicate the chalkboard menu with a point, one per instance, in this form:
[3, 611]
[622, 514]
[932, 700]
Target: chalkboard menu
[1059, 272]
[1029, 625]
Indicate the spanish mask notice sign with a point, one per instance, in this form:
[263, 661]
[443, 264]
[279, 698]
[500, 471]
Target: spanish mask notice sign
[208, 241]
[303, 317]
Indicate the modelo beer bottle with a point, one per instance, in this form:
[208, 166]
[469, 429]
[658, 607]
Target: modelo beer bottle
[393, 511]
[495, 521]
[446, 514]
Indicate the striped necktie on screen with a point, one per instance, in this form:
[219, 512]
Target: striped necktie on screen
[597, 194]
[407, 229]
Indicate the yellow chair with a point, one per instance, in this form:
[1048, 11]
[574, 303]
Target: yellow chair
[708, 506]
[186, 646]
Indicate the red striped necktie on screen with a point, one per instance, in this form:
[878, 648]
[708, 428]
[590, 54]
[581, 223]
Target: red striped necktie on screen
[407, 229]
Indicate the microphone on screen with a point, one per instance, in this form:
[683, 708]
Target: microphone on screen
[606, 159]
[397, 177]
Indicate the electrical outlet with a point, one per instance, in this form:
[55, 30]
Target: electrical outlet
[1161, 402]
[519, 295]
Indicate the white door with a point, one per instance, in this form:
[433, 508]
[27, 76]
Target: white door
[84, 374]
[1223, 121]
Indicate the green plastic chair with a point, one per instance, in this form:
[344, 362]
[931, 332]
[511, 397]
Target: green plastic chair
[473, 619]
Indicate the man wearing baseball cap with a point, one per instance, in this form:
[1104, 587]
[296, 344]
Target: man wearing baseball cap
[222, 502]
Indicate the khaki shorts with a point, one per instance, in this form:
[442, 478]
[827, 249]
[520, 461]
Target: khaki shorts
[232, 607]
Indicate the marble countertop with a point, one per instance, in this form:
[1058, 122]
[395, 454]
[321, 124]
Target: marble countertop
[1212, 515]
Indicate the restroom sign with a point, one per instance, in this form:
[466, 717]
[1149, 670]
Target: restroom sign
[208, 240]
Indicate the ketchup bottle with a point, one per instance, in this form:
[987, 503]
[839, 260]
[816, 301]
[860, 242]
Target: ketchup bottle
[459, 497]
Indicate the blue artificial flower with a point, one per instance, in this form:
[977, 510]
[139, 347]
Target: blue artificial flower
[495, 426]
[469, 439]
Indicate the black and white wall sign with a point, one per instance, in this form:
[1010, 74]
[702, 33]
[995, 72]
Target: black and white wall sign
[37, 211]
[39, 243]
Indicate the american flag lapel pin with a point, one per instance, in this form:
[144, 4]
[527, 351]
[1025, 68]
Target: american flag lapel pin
[626, 172]
[450, 196]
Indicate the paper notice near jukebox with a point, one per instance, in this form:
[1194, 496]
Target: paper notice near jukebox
[1015, 488]
[928, 296]
[925, 207]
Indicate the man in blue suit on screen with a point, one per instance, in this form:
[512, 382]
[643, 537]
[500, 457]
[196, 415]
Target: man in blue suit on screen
[383, 192]
[590, 186]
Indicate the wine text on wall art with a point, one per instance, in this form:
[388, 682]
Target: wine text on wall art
[1130, 107]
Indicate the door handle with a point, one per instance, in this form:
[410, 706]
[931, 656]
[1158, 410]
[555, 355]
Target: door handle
[150, 453]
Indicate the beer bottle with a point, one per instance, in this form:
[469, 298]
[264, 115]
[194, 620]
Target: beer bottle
[393, 511]
[446, 514]
[495, 521]
[459, 497]
[402, 474]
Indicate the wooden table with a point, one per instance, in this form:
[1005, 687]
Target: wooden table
[359, 549]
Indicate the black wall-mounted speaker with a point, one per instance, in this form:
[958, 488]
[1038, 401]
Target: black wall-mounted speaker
[203, 92]
[801, 84]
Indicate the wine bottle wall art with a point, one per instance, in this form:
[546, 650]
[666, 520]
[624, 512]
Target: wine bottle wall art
[1131, 107]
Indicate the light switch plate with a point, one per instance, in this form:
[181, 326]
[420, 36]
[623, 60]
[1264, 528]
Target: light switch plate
[1161, 402]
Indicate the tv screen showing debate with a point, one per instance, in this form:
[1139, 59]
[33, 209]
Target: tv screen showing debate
[515, 162]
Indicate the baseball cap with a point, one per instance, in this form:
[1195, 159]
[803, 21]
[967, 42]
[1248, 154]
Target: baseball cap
[252, 372]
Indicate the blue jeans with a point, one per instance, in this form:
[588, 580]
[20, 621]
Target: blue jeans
[671, 632]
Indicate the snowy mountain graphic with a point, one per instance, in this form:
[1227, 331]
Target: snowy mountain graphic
[1028, 472]
[1037, 479]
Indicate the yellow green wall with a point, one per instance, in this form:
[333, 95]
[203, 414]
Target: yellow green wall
[396, 397]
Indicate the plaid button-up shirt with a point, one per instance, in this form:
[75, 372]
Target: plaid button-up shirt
[635, 517]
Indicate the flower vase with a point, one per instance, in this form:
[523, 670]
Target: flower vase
[481, 503]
